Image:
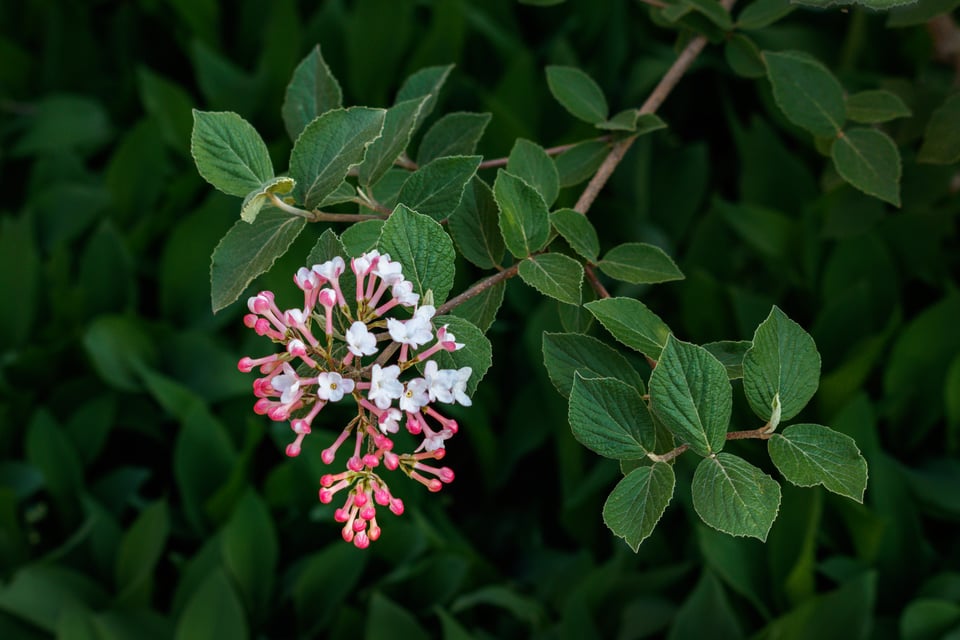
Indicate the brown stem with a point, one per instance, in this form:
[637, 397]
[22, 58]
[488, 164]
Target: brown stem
[552, 151]
[478, 288]
[760, 433]
[595, 281]
[321, 216]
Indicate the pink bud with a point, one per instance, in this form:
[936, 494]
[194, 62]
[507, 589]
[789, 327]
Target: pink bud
[446, 475]
[246, 365]
[327, 455]
[368, 513]
[326, 480]
[300, 426]
[341, 515]
[359, 525]
[382, 497]
[370, 460]
[359, 499]
[250, 320]
[374, 533]
[354, 463]
[261, 406]
[434, 485]
[347, 534]
[396, 506]
[361, 541]
[391, 460]
[293, 450]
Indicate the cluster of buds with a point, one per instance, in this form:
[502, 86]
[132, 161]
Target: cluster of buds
[335, 350]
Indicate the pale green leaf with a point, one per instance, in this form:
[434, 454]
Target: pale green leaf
[435, 189]
[454, 134]
[524, 217]
[398, 126]
[328, 147]
[811, 454]
[870, 161]
[941, 141]
[807, 93]
[530, 162]
[565, 354]
[876, 106]
[636, 504]
[312, 92]
[578, 231]
[424, 249]
[733, 496]
[554, 275]
[425, 82]
[610, 418]
[639, 263]
[783, 365]
[475, 226]
[632, 323]
[476, 353]
[229, 153]
[257, 198]
[691, 395]
[581, 161]
[578, 93]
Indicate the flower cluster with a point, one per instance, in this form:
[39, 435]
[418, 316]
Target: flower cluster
[334, 350]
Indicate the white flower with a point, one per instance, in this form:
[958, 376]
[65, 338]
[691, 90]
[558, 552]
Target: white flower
[361, 342]
[389, 420]
[415, 331]
[439, 382]
[306, 279]
[331, 386]
[435, 440]
[361, 265]
[389, 271]
[287, 383]
[414, 396]
[403, 291]
[294, 317]
[447, 340]
[384, 386]
[459, 386]
[331, 269]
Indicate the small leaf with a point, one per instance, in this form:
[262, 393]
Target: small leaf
[730, 353]
[328, 147]
[578, 231]
[524, 217]
[328, 246]
[424, 249]
[169, 105]
[581, 161]
[361, 237]
[247, 250]
[139, 552]
[454, 134]
[762, 13]
[691, 395]
[481, 310]
[214, 611]
[256, 199]
[565, 354]
[633, 121]
[637, 503]
[578, 93]
[870, 161]
[610, 418]
[398, 126]
[312, 92]
[639, 263]
[782, 364]
[435, 189]
[733, 496]
[744, 57]
[475, 226]
[345, 192]
[386, 621]
[554, 275]
[811, 454]
[425, 82]
[807, 93]
[876, 106]
[941, 141]
[530, 162]
[249, 549]
[229, 152]
[476, 353]
[632, 323]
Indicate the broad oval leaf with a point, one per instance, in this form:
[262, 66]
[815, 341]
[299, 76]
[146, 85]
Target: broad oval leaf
[632, 323]
[524, 217]
[256, 199]
[637, 503]
[424, 249]
[328, 147]
[435, 190]
[733, 496]
[610, 418]
[565, 354]
[398, 126]
[639, 263]
[312, 92]
[581, 161]
[578, 231]
[870, 161]
[250, 549]
[425, 82]
[454, 134]
[247, 250]
[530, 162]
[554, 275]
[875, 106]
[475, 226]
[941, 140]
[807, 93]
[578, 93]
[782, 364]
[691, 395]
[811, 454]
[229, 153]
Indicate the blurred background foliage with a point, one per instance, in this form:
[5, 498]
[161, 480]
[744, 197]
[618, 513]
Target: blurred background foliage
[140, 497]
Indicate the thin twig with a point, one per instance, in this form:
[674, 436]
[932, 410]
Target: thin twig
[478, 288]
[595, 281]
[731, 435]
[552, 151]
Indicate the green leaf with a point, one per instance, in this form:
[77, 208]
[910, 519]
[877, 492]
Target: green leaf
[744, 57]
[941, 140]
[250, 550]
[247, 250]
[139, 552]
[707, 601]
[926, 618]
[424, 249]
[475, 226]
[435, 189]
[257, 198]
[524, 217]
[50, 451]
[476, 353]
[361, 237]
[632, 323]
[691, 395]
[565, 354]
[730, 353]
[762, 13]
[733, 496]
[810, 454]
[870, 161]
[610, 418]
[61, 122]
[214, 611]
[639, 263]
[397, 128]
[876, 106]
[633, 121]
[636, 504]
[554, 275]
[581, 161]
[169, 105]
[781, 371]
[807, 93]
[578, 231]
[712, 10]
[328, 147]
[325, 579]
[578, 93]
[386, 620]
[530, 162]
[425, 82]
[20, 278]
[229, 152]
[454, 134]
[118, 347]
[481, 310]
[312, 92]
[328, 246]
